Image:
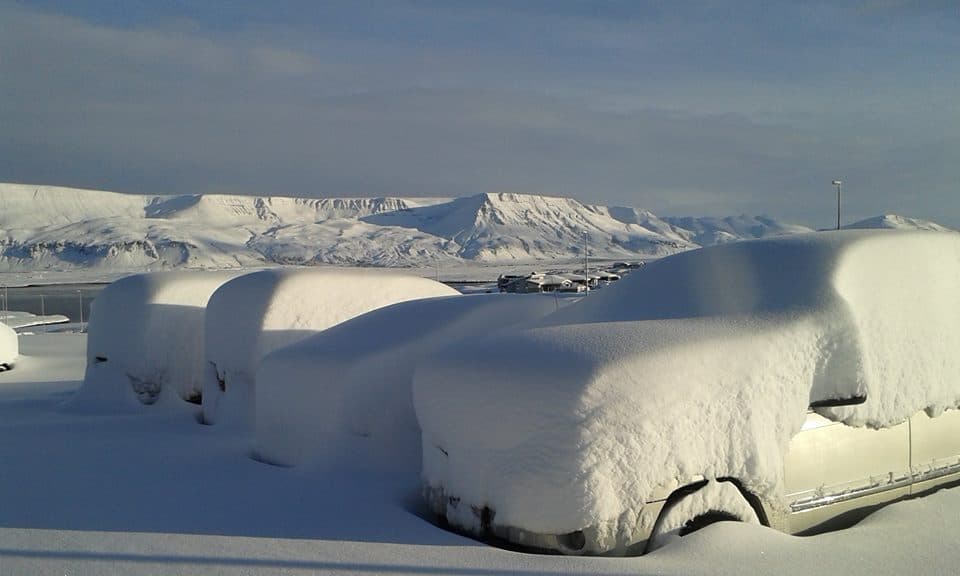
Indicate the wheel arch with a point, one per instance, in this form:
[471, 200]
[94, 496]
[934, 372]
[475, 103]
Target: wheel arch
[675, 497]
[752, 499]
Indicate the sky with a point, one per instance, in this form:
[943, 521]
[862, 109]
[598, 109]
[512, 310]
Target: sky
[682, 108]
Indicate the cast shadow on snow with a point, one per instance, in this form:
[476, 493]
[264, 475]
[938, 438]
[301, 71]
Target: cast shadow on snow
[262, 563]
[155, 469]
[165, 473]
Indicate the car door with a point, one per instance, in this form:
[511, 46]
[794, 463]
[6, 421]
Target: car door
[832, 468]
[935, 449]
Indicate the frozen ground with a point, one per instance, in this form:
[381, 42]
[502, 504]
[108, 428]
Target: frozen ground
[157, 493]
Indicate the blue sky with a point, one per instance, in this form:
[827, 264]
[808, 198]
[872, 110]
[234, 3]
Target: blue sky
[682, 108]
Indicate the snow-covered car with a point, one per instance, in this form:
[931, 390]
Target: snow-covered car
[9, 347]
[782, 382]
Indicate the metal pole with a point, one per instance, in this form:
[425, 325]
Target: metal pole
[80, 293]
[839, 185]
[586, 278]
[839, 189]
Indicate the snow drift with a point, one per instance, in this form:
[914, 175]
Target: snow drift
[9, 347]
[146, 337]
[255, 314]
[702, 364]
[355, 378]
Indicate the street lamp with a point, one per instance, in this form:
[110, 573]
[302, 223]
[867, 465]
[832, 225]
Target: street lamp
[839, 185]
[586, 265]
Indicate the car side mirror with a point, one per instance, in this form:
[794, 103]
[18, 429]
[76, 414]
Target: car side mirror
[836, 402]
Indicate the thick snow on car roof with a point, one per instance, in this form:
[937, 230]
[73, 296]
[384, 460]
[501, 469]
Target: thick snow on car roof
[257, 313]
[355, 378]
[147, 330]
[702, 364]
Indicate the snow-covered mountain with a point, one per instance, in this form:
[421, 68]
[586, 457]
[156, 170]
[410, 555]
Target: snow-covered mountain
[518, 227]
[709, 231]
[892, 221]
[54, 228]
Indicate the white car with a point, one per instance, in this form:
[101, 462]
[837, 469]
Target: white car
[831, 469]
[782, 382]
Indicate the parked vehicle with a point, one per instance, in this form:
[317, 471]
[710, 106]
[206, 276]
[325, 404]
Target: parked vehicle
[831, 469]
[782, 382]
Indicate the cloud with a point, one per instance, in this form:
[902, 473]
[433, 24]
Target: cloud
[181, 106]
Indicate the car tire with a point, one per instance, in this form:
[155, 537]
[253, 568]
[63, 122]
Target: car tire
[697, 506]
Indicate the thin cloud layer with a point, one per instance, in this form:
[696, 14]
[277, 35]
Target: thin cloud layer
[696, 110]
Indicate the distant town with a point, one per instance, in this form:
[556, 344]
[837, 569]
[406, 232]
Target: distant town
[565, 281]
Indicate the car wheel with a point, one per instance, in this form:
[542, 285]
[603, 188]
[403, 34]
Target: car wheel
[697, 506]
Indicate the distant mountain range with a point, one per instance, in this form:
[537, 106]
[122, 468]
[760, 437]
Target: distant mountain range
[54, 228]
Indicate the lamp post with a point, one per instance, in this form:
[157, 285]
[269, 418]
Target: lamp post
[839, 185]
[586, 265]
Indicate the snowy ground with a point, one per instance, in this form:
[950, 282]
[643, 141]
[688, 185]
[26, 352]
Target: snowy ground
[158, 493]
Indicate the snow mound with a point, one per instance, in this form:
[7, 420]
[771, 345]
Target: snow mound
[145, 339]
[9, 346]
[702, 364]
[355, 378]
[255, 314]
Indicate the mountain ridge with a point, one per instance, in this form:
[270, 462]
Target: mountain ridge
[60, 228]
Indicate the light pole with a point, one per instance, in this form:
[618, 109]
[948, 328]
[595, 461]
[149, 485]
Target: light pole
[839, 185]
[586, 265]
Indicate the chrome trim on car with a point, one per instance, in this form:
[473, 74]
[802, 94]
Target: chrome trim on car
[934, 472]
[875, 487]
[821, 499]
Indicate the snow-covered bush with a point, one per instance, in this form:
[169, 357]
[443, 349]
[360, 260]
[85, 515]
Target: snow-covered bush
[702, 364]
[355, 378]
[9, 347]
[145, 336]
[252, 315]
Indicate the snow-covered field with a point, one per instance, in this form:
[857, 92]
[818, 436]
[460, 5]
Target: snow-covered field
[158, 493]
[90, 488]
